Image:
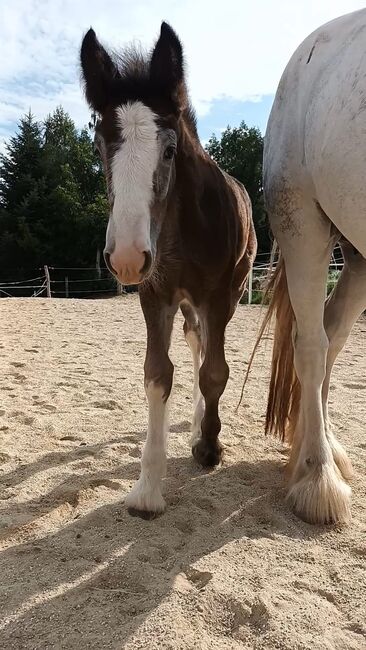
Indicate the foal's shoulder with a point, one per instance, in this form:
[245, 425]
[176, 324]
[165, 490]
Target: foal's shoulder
[237, 187]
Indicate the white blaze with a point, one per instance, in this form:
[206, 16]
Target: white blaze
[133, 167]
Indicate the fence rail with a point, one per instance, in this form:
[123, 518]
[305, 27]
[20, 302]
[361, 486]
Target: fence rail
[47, 285]
[258, 277]
[50, 283]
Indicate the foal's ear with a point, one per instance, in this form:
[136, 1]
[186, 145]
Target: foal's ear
[99, 72]
[167, 65]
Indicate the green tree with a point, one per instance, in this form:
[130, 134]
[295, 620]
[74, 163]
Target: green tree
[76, 193]
[239, 152]
[53, 204]
[22, 185]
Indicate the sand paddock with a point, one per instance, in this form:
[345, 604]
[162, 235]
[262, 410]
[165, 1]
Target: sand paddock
[228, 566]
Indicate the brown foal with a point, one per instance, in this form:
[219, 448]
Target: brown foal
[179, 227]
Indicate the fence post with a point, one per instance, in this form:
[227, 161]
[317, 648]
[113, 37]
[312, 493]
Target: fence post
[97, 264]
[48, 281]
[250, 287]
[66, 286]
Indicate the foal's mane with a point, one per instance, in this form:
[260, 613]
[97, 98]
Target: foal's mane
[133, 65]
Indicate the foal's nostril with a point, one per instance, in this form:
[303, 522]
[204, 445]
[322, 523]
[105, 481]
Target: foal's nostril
[108, 263]
[147, 264]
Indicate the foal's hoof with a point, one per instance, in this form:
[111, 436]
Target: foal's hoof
[145, 501]
[207, 455]
[148, 515]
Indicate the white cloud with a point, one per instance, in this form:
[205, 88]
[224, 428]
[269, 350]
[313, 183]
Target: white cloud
[236, 48]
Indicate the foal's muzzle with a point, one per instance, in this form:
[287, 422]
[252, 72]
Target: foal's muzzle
[129, 266]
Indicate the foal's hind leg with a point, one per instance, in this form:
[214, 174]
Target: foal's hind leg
[317, 490]
[193, 336]
[213, 377]
[146, 497]
[345, 304]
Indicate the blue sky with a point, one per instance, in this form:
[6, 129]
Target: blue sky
[235, 51]
[226, 111]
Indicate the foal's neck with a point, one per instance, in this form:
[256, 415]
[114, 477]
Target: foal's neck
[189, 143]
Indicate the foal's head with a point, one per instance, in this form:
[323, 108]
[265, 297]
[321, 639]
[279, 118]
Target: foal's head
[139, 100]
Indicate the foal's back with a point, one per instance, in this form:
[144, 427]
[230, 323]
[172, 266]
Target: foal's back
[210, 199]
[209, 235]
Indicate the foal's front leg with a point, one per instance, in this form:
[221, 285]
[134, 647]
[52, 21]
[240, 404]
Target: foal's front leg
[146, 497]
[213, 377]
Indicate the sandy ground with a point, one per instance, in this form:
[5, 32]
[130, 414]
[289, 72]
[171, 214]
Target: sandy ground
[228, 566]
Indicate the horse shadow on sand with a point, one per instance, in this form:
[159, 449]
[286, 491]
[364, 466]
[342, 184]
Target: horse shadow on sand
[94, 582]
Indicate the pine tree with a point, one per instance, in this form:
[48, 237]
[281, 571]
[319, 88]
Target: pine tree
[22, 185]
[77, 205]
[53, 204]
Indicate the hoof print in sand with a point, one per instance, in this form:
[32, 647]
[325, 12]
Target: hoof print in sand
[198, 578]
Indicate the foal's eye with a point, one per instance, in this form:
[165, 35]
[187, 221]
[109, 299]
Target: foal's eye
[169, 152]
